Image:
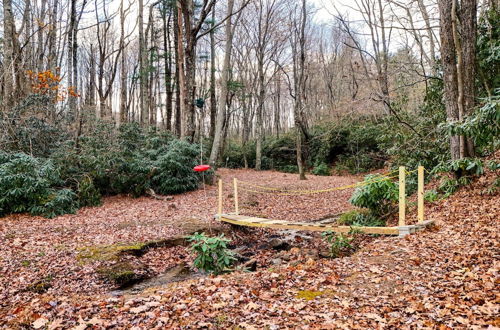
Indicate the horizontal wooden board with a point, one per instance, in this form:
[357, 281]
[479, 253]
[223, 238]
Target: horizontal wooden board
[282, 224]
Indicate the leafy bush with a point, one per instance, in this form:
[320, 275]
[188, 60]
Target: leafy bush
[431, 196]
[289, 169]
[461, 167]
[212, 254]
[448, 186]
[360, 218]
[338, 243]
[29, 184]
[173, 169]
[88, 194]
[378, 195]
[482, 126]
[321, 169]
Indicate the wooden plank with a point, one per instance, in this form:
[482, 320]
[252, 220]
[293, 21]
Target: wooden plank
[402, 196]
[236, 208]
[220, 199]
[281, 224]
[420, 194]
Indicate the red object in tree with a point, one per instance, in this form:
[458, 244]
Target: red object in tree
[201, 168]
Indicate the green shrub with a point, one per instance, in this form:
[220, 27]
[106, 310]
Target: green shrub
[289, 169]
[338, 243]
[379, 195]
[360, 218]
[321, 169]
[173, 169]
[88, 194]
[431, 196]
[448, 186]
[211, 253]
[29, 184]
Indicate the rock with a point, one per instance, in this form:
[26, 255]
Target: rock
[122, 273]
[324, 254]
[276, 261]
[279, 245]
[250, 265]
[286, 256]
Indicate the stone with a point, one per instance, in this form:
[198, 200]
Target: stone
[276, 261]
[279, 245]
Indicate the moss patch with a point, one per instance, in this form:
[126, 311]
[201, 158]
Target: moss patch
[308, 294]
[110, 252]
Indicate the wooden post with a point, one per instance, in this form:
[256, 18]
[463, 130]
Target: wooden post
[220, 199]
[236, 209]
[420, 194]
[402, 196]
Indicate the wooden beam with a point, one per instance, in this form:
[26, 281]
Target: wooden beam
[236, 208]
[220, 199]
[402, 196]
[420, 194]
[281, 224]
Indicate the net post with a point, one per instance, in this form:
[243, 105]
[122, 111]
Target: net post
[402, 196]
[236, 208]
[420, 194]
[220, 199]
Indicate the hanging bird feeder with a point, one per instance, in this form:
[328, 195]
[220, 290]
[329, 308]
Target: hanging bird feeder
[201, 168]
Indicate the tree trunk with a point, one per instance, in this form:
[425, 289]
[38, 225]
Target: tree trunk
[299, 76]
[143, 104]
[469, 31]
[181, 62]
[178, 124]
[217, 142]
[122, 118]
[8, 62]
[168, 68]
[213, 100]
[450, 77]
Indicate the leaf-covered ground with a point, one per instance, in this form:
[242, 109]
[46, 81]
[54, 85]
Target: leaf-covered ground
[446, 277]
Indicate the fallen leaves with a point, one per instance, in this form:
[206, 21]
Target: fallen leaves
[446, 278]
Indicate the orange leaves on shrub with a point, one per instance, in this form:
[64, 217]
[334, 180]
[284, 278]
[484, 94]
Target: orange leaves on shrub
[49, 83]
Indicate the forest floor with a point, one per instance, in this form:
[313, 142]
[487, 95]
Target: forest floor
[447, 277]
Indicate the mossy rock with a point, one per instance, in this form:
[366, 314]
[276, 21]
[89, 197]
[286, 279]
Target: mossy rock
[110, 252]
[40, 286]
[122, 274]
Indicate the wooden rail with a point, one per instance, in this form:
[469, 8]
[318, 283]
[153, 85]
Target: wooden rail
[402, 229]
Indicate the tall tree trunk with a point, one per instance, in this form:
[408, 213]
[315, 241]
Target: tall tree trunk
[181, 63]
[143, 104]
[178, 124]
[259, 132]
[71, 56]
[469, 36]
[299, 66]
[217, 142]
[450, 76]
[122, 117]
[8, 62]
[213, 100]
[168, 67]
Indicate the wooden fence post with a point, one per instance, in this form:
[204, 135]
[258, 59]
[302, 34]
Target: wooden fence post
[236, 209]
[420, 194]
[402, 196]
[220, 199]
